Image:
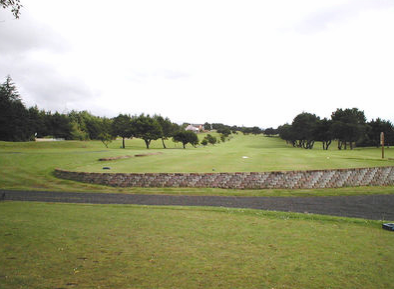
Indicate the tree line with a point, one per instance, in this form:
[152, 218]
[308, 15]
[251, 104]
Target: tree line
[227, 129]
[348, 126]
[19, 123]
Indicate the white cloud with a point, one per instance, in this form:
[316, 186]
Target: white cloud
[236, 62]
[339, 13]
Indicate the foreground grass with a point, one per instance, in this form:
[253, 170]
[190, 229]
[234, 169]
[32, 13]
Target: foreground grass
[119, 246]
[29, 166]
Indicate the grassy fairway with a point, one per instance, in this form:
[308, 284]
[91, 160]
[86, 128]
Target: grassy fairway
[244, 154]
[30, 165]
[95, 246]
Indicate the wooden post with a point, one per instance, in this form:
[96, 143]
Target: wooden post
[382, 143]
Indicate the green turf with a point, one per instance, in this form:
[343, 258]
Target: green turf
[30, 166]
[120, 246]
[243, 154]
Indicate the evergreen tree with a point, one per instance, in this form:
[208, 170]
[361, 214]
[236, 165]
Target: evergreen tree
[14, 117]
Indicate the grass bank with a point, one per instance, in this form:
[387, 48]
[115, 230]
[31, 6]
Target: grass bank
[118, 246]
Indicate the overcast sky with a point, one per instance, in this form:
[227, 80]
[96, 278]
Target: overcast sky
[252, 63]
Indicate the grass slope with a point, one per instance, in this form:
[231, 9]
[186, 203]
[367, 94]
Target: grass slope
[115, 246]
[29, 166]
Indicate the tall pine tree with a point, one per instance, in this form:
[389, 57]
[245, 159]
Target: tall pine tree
[14, 117]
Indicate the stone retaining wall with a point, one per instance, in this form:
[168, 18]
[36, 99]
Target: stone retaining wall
[377, 176]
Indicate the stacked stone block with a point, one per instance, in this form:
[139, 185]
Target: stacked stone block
[377, 176]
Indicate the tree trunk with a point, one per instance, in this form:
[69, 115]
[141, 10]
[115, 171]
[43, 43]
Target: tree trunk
[164, 144]
[328, 144]
[147, 142]
[123, 144]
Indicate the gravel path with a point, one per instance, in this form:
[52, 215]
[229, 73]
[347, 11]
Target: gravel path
[374, 207]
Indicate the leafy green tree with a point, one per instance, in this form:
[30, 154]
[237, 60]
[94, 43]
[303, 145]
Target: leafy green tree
[14, 5]
[59, 126]
[186, 137]
[147, 128]
[286, 133]
[36, 121]
[44, 118]
[168, 128]
[323, 132]
[226, 131]
[375, 127]
[122, 126]
[251, 130]
[77, 133]
[79, 130]
[256, 130]
[92, 124]
[210, 139]
[218, 126]
[234, 129]
[87, 126]
[207, 126]
[270, 131]
[349, 126]
[105, 138]
[304, 126]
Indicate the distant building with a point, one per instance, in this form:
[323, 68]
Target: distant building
[195, 127]
[49, 139]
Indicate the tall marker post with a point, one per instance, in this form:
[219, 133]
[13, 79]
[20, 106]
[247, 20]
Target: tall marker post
[382, 143]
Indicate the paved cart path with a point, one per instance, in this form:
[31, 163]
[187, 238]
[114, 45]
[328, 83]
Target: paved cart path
[374, 207]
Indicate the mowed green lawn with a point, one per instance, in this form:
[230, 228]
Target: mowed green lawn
[126, 246]
[118, 246]
[30, 165]
[241, 154]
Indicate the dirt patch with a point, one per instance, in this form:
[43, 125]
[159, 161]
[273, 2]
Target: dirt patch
[115, 158]
[128, 156]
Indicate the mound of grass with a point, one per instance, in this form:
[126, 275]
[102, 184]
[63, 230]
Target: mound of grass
[115, 246]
